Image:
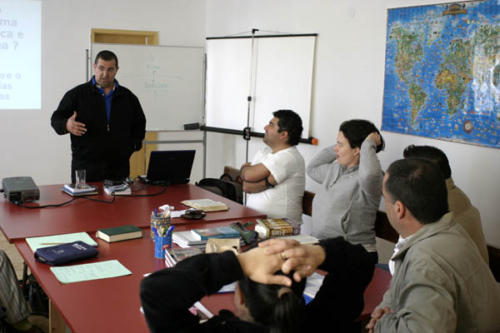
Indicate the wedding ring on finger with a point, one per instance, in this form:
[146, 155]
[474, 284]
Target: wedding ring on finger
[283, 256]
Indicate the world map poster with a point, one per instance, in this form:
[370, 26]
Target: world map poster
[442, 72]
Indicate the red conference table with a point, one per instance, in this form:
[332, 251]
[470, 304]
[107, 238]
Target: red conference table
[87, 215]
[105, 305]
[112, 305]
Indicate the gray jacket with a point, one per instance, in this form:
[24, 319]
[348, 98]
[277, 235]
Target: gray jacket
[441, 284]
[347, 203]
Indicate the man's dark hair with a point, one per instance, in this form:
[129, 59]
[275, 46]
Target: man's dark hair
[420, 186]
[289, 121]
[432, 154]
[107, 56]
[356, 131]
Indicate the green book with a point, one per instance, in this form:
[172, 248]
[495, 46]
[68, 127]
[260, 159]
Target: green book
[120, 233]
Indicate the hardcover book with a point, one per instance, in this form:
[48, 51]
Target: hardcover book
[207, 205]
[120, 233]
[275, 227]
[186, 239]
[218, 232]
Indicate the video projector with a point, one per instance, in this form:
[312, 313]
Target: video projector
[20, 189]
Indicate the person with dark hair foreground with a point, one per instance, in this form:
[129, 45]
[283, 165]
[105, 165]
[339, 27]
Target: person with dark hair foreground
[464, 213]
[440, 283]
[266, 300]
[275, 180]
[105, 121]
[351, 180]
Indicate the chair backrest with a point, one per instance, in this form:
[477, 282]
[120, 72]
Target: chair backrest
[223, 186]
[494, 256]
[233, 173]
[307, 201]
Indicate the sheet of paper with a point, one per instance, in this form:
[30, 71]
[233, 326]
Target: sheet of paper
[92, 271]
[44, 241]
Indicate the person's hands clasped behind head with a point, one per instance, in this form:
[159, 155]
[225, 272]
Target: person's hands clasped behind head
[303, 259]
[75, 127]
[261, 266]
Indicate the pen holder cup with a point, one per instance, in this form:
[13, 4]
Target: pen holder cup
[161, 243]
[158, 222]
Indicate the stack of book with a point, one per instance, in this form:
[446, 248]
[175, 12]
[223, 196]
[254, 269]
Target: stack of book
[72, 190]
[276, 227]
[174, 255]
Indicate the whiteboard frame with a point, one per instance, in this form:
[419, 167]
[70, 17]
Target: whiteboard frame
[158, 120]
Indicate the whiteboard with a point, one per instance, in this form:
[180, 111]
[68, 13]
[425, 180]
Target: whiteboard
[168, 80]
[277, 72]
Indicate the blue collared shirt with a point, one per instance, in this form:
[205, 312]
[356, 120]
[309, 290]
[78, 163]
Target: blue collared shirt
[107, 98]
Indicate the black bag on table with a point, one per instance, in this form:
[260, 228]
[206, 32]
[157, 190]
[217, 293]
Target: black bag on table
[65, 253]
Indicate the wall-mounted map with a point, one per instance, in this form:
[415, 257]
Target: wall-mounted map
[442, 72]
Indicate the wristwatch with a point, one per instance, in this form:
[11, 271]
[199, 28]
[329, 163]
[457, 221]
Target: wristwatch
[268, 184]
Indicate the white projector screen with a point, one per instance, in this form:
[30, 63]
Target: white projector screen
[20, 54]
[278, 76]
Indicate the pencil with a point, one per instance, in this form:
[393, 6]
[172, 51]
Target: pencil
[55, 243]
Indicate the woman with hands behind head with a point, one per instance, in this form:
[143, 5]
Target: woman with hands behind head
[351, 177]
[266, 300]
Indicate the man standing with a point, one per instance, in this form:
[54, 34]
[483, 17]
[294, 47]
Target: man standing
[105, 120]
[275, 180]
[440, 282]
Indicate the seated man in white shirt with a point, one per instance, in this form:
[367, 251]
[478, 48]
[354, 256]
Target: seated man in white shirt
[275, 180]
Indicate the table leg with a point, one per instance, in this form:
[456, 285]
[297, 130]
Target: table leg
[56, 321]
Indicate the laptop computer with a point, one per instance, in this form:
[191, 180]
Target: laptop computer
[168, 167]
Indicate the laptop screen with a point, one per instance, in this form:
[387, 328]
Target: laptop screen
[170, 166]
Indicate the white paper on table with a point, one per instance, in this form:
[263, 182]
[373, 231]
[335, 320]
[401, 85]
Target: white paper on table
[92, 271]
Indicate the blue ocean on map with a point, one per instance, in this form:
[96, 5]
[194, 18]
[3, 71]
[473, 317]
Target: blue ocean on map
[442, 72]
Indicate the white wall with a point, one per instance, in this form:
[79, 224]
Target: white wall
[28, 144]
[348, 84]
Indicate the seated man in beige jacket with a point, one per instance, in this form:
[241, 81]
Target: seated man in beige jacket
[464, 213]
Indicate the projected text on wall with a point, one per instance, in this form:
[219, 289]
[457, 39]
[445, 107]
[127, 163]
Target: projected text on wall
[20, 59]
